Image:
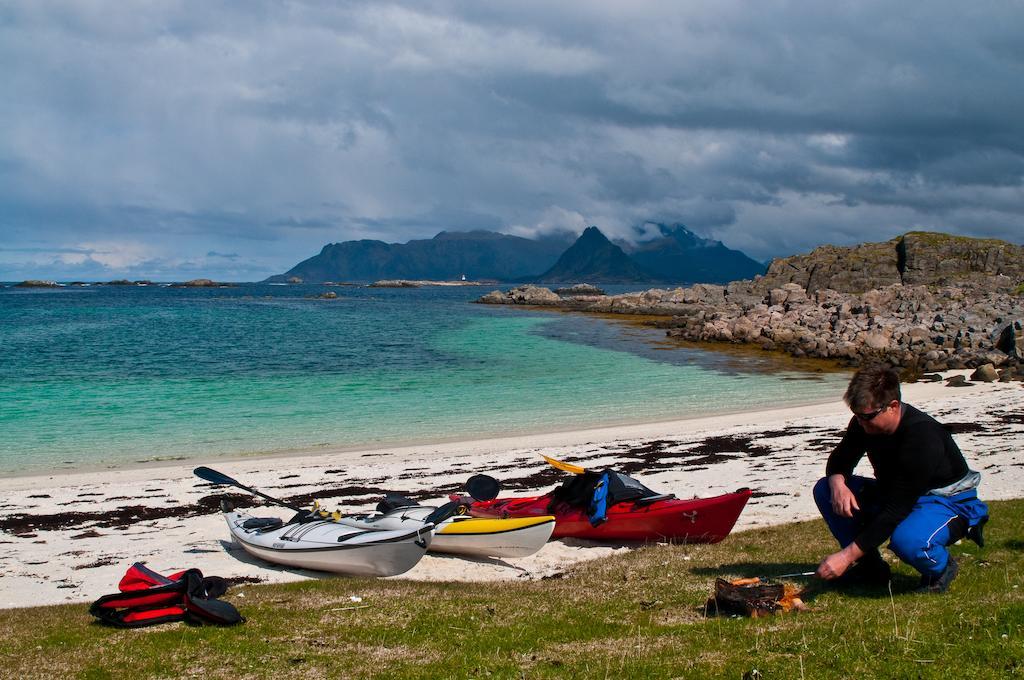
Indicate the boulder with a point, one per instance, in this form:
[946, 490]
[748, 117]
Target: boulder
[985, 373]
[522, 295]
[707, 293]
[1009, 338]
[495, 297]
[579, 289]
[877, 341]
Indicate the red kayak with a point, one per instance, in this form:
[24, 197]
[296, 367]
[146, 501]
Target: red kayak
[629, 511]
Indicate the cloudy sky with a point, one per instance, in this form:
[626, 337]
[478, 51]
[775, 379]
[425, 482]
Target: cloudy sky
[171, 140]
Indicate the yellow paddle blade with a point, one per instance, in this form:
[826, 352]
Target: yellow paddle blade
[567, 467]
[336, 516]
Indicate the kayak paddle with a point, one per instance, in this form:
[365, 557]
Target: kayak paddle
[562, 465]
[215, 477]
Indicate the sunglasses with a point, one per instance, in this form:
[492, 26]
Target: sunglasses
[867, 417]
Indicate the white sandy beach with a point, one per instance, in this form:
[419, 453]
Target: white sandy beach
[777, 453]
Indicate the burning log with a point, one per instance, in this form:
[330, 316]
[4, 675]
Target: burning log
[751, 597]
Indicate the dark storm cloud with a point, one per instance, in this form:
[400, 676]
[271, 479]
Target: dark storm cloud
[134, 139]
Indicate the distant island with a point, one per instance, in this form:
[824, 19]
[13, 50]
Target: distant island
[676, 255]
[193, 283]
[406, 283]
[37, 283]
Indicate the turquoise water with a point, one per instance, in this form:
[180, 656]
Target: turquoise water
[117, 375]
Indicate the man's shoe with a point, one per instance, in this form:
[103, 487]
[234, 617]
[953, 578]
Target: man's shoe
[870, 570]
[975, 533]
[940, 583]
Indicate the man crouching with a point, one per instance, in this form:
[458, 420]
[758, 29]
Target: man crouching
[923, 497]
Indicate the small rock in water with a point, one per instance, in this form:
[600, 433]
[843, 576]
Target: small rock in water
[579, 289]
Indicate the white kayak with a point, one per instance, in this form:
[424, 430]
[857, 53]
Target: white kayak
[465, 535]
[325, 545]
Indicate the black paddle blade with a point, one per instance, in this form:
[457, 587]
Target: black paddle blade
[483, 487]
[213, 476]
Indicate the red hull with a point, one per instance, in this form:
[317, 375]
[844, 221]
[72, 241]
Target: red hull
[698, 520]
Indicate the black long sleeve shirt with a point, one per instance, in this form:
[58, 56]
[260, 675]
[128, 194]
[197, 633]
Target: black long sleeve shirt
[919, 456]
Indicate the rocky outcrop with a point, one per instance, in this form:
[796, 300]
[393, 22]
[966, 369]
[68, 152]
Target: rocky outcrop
[940, 259]
[395, 283]
[36, 283]
[794, 308]
[910, 326]
[850, 270]
[579, 289]
[522, 295]
[201, 283]
[915, 258]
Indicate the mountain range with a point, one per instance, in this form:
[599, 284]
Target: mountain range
[675, 255]
[680, 256]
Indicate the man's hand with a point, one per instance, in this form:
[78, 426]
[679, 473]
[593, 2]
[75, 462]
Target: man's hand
[836, 564]
[844, 503]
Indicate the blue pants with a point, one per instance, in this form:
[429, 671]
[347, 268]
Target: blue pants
[920, 540]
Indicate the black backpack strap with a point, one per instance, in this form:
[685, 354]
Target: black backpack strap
[200, 605]
[214, 586]
[393, 501]
[445, 511]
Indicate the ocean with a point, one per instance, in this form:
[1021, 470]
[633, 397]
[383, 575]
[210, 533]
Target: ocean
[108, 376]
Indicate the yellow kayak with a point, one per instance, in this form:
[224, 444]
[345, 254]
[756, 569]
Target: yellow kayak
[514, 537]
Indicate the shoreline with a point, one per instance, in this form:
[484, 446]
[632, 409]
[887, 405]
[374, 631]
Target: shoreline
[71, 536]
[560, 434]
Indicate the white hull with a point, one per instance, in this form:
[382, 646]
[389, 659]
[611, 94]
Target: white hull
[316, 545]
[464, 535]
[516, 542]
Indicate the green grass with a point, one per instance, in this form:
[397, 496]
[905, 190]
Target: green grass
[638, 615]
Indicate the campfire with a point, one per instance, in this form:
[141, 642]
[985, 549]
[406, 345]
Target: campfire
[753, 597]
